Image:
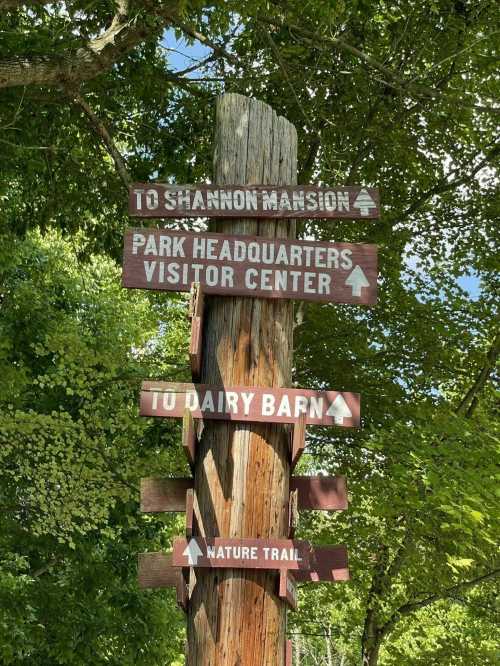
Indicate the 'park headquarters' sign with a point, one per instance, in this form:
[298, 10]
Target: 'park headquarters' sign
[250, 266]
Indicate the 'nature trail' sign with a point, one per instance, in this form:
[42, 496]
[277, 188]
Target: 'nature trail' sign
[161, 259]
[265, 201]
[255, 404]
[242, 553]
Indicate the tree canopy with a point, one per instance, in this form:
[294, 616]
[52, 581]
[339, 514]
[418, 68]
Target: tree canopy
[400, 95]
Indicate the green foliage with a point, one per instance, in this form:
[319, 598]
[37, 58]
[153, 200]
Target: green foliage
[74, 348]
[409, 109]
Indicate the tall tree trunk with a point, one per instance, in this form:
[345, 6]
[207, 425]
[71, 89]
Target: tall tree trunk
[328, 639]
[242, 469]
[370, 653]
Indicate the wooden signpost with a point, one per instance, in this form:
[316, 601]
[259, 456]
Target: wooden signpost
[242, 503]
[162, 200]
[253, 266]
[252, 404]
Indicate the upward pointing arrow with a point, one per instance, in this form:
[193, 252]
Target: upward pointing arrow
[193, 552]
[357, 280]
[364, 202]
[339, 409]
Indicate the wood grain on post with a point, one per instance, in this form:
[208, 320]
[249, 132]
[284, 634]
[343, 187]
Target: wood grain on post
[242, 469]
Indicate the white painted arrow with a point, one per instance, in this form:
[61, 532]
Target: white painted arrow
[364, 202]
[193, 552]
[357, 280]
[339, 409]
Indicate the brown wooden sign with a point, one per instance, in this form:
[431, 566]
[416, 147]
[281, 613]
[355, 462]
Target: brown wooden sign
[156, 571]
[327, 493]
[196, 340]
[324, 493]
[241, 553]
[189, 438]
[159, 495]
[190, 515]
[254, 404]
[288, 653]
[287, 588]
[293, 513]
[161, 259]
[265, 201]
[330, 565]
[297, 441]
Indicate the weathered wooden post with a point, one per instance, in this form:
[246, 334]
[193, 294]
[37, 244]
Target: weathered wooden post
[241, 506]
[242, 470]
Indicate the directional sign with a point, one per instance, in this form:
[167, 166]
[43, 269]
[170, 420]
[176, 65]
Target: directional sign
[253, 404]
[330, 565]
[161, 259]
[241, 553]
[287, 588]
[265, 201]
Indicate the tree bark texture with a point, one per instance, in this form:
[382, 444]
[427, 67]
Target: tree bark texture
[242, 470]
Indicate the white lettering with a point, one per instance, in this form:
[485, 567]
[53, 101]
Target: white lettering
[247, 401]
[231, 402]
[249, 274]
[269, 200]
[268, 404]
[137, 241]
[151, 246]
[151, 199]
[138, 198]
[208, 403]
[149, 267]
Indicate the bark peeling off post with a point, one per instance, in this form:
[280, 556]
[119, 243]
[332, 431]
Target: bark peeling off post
[242, 470]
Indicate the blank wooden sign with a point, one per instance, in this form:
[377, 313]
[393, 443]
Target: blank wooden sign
[324, 493]
[158, 495]
[156, 571]
[287, 588]
[330, 565]
[265, 201]
[196, 339]
[254, 404]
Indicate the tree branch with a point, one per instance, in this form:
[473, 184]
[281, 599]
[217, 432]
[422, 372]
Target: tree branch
[392, 78]
[102, 131]
[468, 403]
[283, 68]
[413, 606]
[39, 572]
[98, 55]
[446, 186]
[216, 48]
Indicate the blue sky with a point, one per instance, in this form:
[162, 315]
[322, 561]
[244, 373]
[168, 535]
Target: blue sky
[183, 54]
